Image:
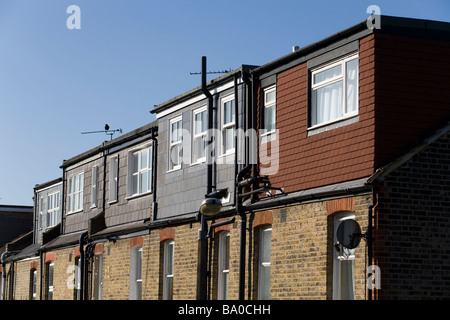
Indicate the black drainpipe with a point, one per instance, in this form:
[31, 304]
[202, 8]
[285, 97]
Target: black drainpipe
[83, 236]
[105, 154]
[63, 187]
[240, 209]
[202, 264]
[154, 169]
[369, 234]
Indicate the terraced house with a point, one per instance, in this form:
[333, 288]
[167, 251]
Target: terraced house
[323, 174]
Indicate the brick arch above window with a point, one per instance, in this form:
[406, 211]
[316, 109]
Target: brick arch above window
[49, 257]
[166, 234]
[340, 205]
[136, 241]
[33, 265]
[262, 218]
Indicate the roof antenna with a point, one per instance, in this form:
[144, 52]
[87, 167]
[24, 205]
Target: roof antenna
[107, 131]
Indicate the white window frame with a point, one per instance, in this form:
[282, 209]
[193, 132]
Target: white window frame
[41, 212]
[341, 256]
[113, 179]
[264, 264]
[199, 136]
[77, 279]
[75, 197]
[175, 144]
[33, 284]
[269, 134]
[340, 78]
[224, 265]
[136, 259]
[229, 125]
[50, 266]
[52, 209]
[139, 171]
[94, 187]
[98, 279]
[169, 254]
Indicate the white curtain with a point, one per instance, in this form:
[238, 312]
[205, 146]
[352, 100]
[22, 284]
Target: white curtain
[346, 280]
[352, 85]
[329, 102]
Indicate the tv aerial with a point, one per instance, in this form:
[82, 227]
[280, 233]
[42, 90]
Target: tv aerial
[107, 131]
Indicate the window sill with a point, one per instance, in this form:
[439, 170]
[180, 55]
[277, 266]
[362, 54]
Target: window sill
[201, 161]
[74, 212]
[331, 125]
[228, 153]
[268, 136]
[135, 196]
[174, 170]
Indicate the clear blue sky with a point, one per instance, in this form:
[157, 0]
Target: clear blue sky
[130, 55]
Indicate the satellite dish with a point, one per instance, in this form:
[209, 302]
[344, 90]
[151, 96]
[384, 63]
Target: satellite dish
[349, 234]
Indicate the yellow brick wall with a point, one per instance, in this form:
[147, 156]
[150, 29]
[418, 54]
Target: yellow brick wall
[22, 278]
[301, 257]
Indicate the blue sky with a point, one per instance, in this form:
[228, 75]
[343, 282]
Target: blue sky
[131, 55]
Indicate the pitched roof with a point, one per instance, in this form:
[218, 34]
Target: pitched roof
[425, 143]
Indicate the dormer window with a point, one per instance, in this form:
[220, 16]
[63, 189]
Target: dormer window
[334, 91]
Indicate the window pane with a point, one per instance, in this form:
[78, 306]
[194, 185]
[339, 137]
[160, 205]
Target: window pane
[327, 103]
[328, 74]
[352, 85]
[228, 112]
[267, 240]
[264, 264]
[226, 258]
[135, 183]
[77, 183]
[135, 162]
[76, 201]
[228, 139]
[169, 288]
[176, 131]
[269, 120]
[169, 269]
[144, 159]
[199, 147]
[81, 176]
[346, 280]
[50, 275]
[200, 122]
[139, 264]
[270, 96]
[71, 185]
[144, 182]
[265, 290]
[204, 121]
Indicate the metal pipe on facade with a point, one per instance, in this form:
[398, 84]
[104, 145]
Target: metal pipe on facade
[83, 236]
[236, 126]
[202, 264]
[154, 170]
[240, 210]
[369, 237]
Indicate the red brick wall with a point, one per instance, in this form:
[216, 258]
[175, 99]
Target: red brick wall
[337, 155]
[412, 91]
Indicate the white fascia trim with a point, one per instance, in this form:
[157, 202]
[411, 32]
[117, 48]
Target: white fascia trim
[198, 98]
